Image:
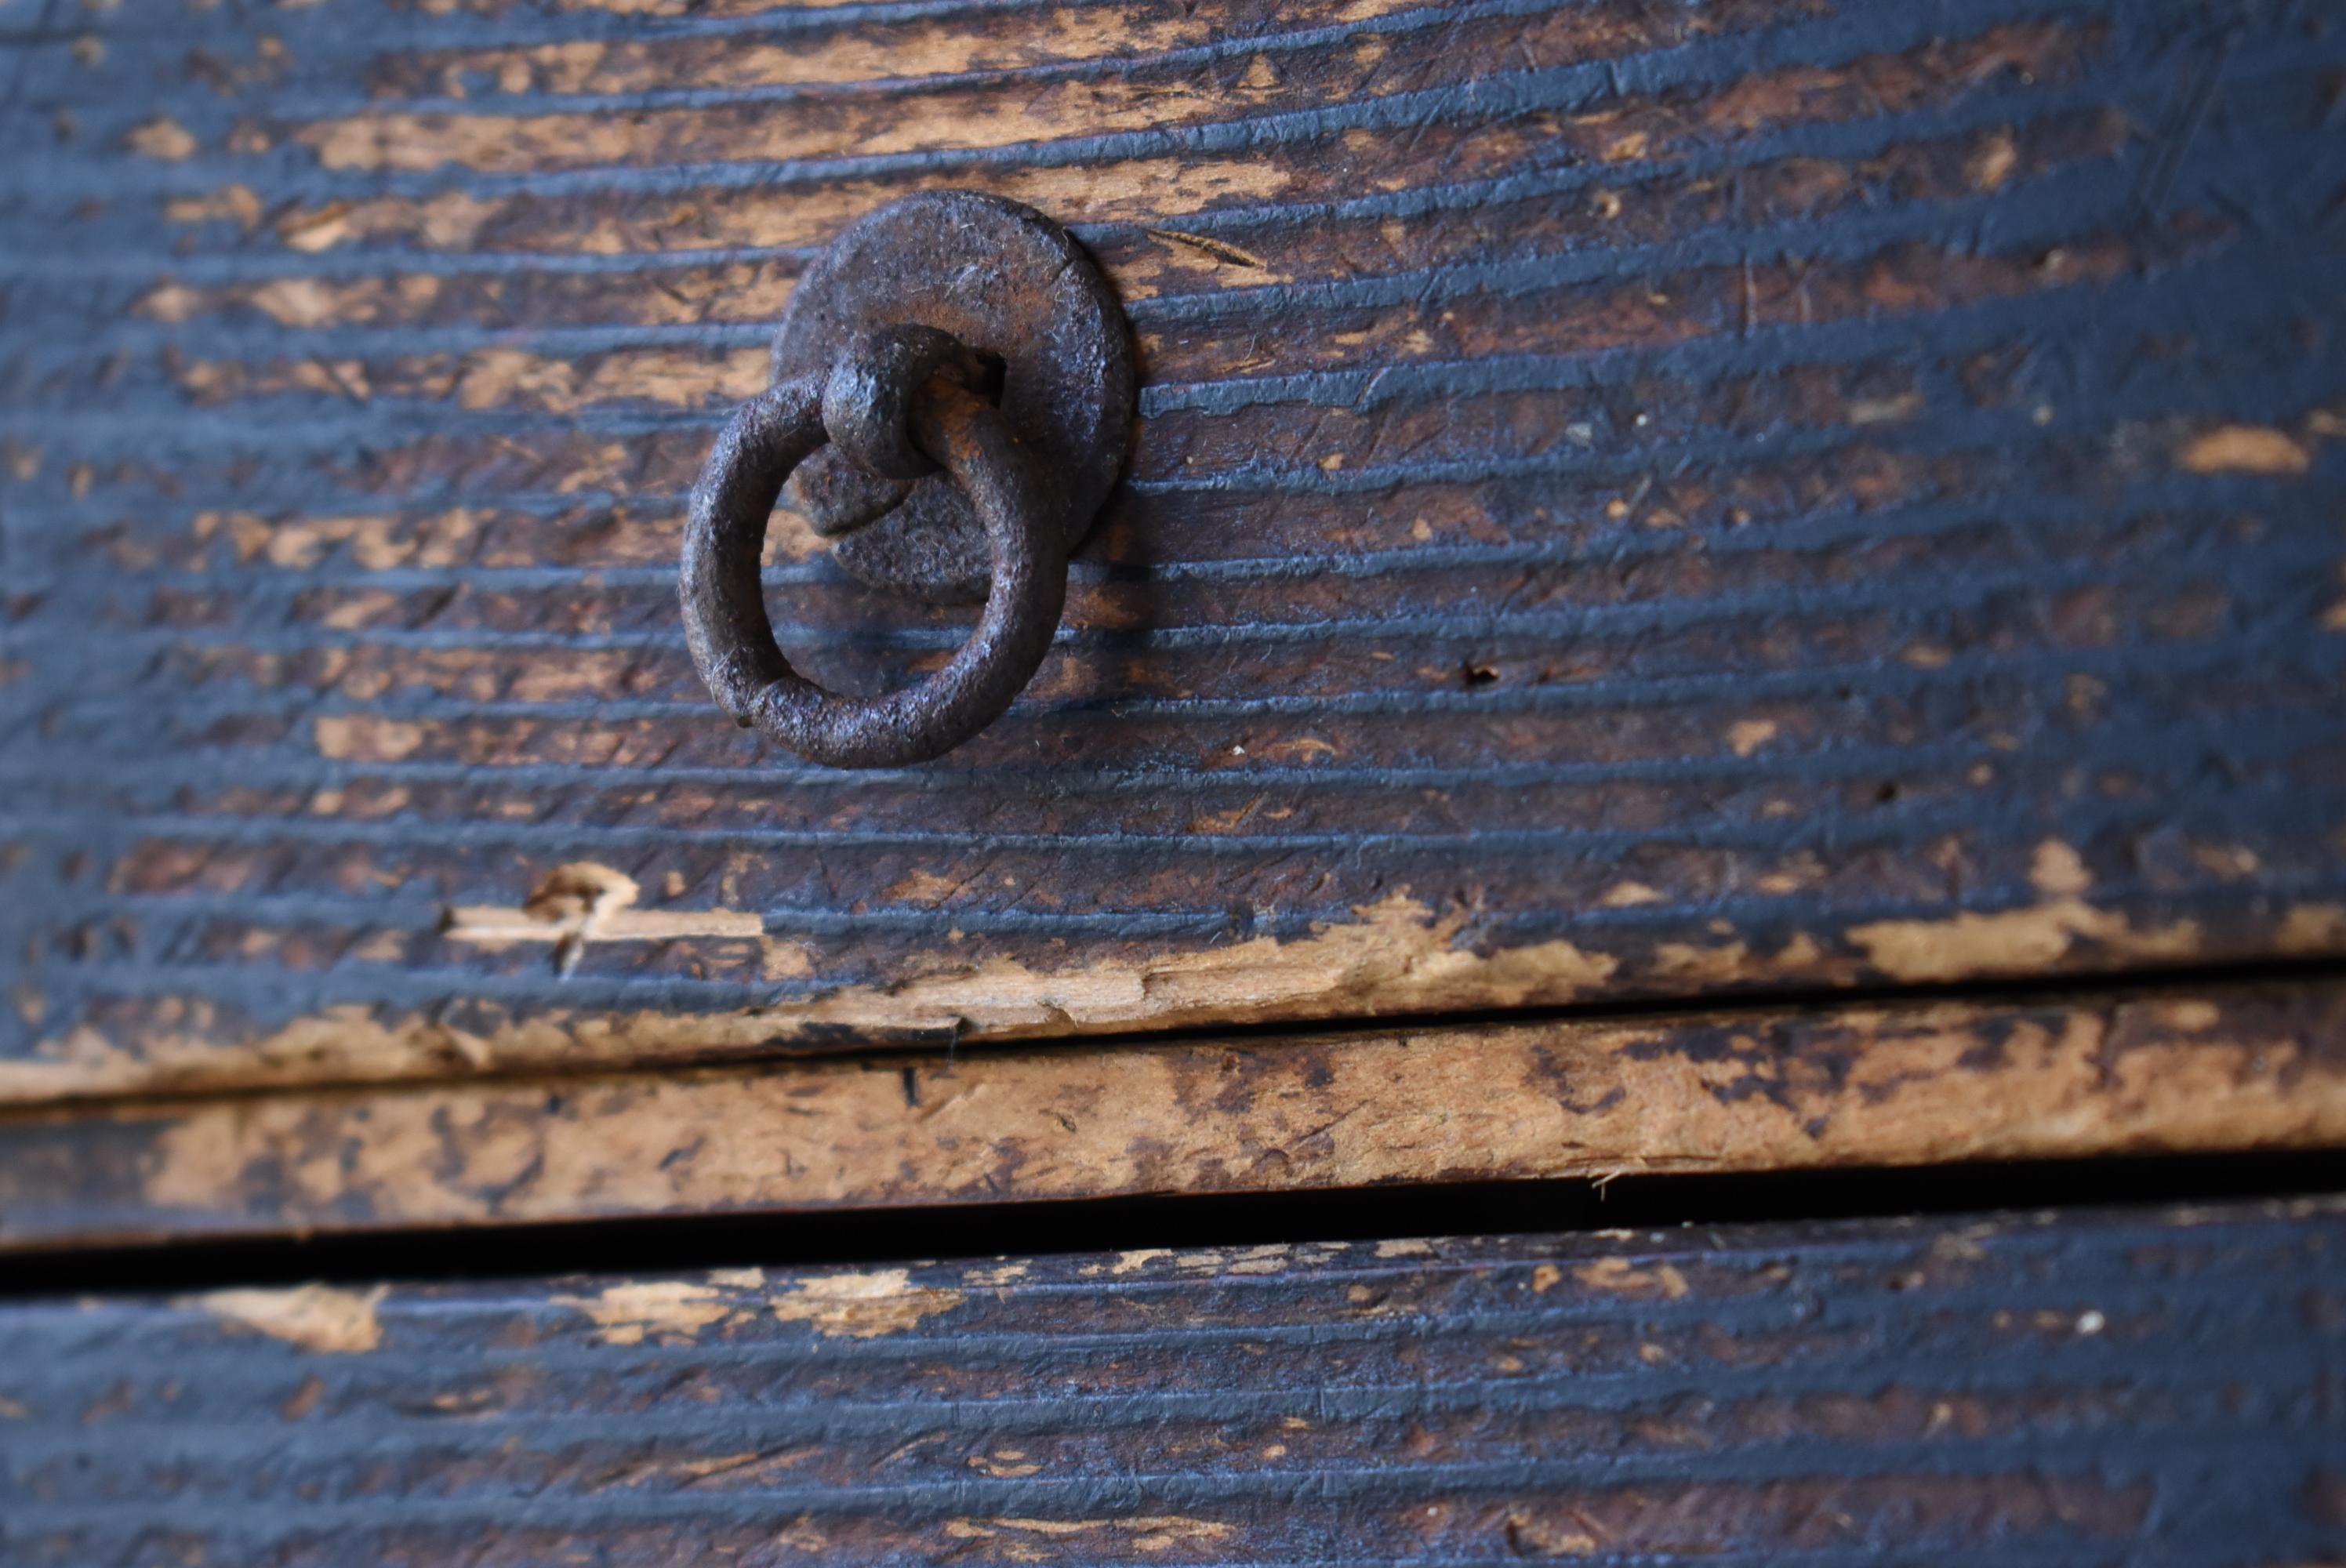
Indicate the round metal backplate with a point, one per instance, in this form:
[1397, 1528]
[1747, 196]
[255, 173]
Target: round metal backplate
[1010, 283]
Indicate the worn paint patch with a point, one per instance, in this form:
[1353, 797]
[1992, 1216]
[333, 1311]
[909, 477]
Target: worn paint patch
[584, 903]
[2247, 449]
[2059, 870]
[737, 1278]
[1398, 955]
[318, 1318]
[996, 1276]
[162, 138]
[1133, 1262]
[658, 1310]
[2312, 928]
[2011, 940]
[1150, 1533]
[1621, 1277]
[862, 1306]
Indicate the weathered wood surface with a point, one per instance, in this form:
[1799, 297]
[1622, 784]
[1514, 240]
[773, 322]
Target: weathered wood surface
[2088, 1390]
[1634, 498]
[2227, 1070]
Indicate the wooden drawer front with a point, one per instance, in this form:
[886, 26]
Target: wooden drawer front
[1632, 499]
[2090, 1389]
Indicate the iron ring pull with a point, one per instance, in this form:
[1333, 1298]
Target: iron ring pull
[890, 383]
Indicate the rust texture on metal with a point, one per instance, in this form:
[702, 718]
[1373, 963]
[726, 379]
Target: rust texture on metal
[935, 491]
[1630, 499]
[2214, 1069]
[2116, 1389]
[1010, 284]
[888, 403]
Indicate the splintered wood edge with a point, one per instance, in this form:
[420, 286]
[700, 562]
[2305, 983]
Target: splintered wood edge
[1399, 956]
[2225, 1068]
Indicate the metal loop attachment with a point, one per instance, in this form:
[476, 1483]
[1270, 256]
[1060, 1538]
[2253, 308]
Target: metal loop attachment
[725, 533]
[867, 399]
[955, 379]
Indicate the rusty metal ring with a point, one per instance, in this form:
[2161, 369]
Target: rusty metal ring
[724, 601]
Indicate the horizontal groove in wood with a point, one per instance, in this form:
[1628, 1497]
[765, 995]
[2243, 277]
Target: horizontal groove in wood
[2237, 1069]
[549, 131]
[1824, 68]
[2098, 1388]
[1633, 501]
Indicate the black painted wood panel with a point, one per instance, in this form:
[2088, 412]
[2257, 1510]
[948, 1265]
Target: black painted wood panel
[1633, 498]
[2115, 1388]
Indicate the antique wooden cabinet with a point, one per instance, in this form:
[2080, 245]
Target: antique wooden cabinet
[1713, 677]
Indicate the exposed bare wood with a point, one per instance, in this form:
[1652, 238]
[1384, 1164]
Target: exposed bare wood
[2230, 1069]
